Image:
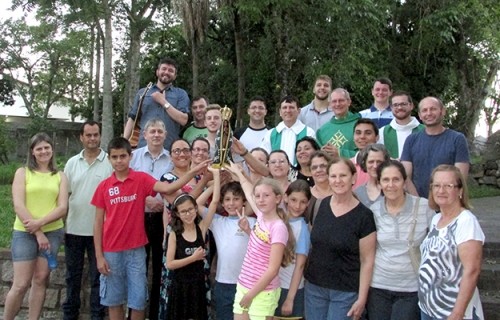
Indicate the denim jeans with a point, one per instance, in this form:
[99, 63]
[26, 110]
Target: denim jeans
[392, 305]
[224, 298]
[327, 304]
[153, 223]
[75, 248]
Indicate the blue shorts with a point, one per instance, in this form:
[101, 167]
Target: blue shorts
[126, 280]
[24, 246]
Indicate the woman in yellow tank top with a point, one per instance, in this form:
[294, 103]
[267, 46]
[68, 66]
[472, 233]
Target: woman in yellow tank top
[40, 198]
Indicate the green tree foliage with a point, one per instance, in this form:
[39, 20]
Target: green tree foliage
[44, 62]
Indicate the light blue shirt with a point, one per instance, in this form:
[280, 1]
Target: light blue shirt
[142, 160]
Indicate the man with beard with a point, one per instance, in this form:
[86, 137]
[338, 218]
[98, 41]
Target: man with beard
[394, 135]
[317, 113]
[425, 150]
[164, 101]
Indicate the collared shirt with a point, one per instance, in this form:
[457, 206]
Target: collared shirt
[83, 179]
[381, 118]
[313, 118]
[123, 203]
[142, 160]
[179, 100]
[288, 138]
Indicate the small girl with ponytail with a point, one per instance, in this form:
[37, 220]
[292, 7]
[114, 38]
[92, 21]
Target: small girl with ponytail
[271, 245]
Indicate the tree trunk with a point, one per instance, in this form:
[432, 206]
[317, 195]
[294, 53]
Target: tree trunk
[240, 67]
[91, 67]
[132, 80]
[97, 78]
[195, 66]
[107, 97]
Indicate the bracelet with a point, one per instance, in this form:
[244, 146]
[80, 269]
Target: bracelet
[244, 153]
[167, 105]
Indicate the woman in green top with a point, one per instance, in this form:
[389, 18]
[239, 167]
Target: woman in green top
[40, 198]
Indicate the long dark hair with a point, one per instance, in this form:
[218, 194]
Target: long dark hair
[176, 222]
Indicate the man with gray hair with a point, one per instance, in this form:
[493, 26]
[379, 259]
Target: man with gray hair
[154, 160]
[337, 135]
[425, 150]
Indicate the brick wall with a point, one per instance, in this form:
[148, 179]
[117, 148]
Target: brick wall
[56, 292]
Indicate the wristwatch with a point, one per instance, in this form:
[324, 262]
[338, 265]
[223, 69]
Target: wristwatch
[167, 105]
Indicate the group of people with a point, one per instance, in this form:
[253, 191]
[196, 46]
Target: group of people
[329, 215]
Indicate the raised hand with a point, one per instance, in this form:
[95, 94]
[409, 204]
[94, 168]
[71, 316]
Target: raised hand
[243, 222]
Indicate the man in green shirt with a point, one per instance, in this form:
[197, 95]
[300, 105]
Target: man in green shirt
[336, 136]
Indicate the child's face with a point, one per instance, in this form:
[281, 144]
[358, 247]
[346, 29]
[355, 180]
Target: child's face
[187, 211]
[120, 159]
[296, 204]
[232, 203]
[265, 198]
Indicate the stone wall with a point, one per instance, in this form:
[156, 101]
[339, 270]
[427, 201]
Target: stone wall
[56, 292]
[487, 173]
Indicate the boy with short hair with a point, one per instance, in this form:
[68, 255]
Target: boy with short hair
[119, 234]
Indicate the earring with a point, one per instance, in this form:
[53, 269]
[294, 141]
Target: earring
[460, 197]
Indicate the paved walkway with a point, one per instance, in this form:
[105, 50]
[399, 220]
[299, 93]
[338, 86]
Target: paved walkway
[487, 210]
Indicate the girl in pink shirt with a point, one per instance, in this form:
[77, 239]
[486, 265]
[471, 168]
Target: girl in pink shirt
[258, 289]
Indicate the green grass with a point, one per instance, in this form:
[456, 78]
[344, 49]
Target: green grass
[483, 191]
[7, 216]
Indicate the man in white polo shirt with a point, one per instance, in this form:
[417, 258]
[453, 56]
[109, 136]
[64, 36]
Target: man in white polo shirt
[84, 171]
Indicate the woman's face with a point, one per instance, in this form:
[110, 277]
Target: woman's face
[199, 152]
[260, 156]
[319, 167]
[392, 183]
[181, 154]
[278, 165]
[42, 151]
[304, 152]
[445, 190]
[341, 178]
[373, 160]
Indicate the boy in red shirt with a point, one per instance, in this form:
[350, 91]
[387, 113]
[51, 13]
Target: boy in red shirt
[119, 234]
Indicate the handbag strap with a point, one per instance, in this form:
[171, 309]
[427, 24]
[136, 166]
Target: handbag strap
[411, 236]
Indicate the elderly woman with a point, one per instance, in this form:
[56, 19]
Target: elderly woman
[370, 158]
[304, 149]
[402, 221]
[343, 240]
[40, 197]
[451, 252]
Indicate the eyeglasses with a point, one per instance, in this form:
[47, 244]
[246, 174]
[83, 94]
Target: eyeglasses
[319, 166]
[447, 187]
[276, 162]
[184, 150]
[400, 105]
[204, 150]
[187, 212]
